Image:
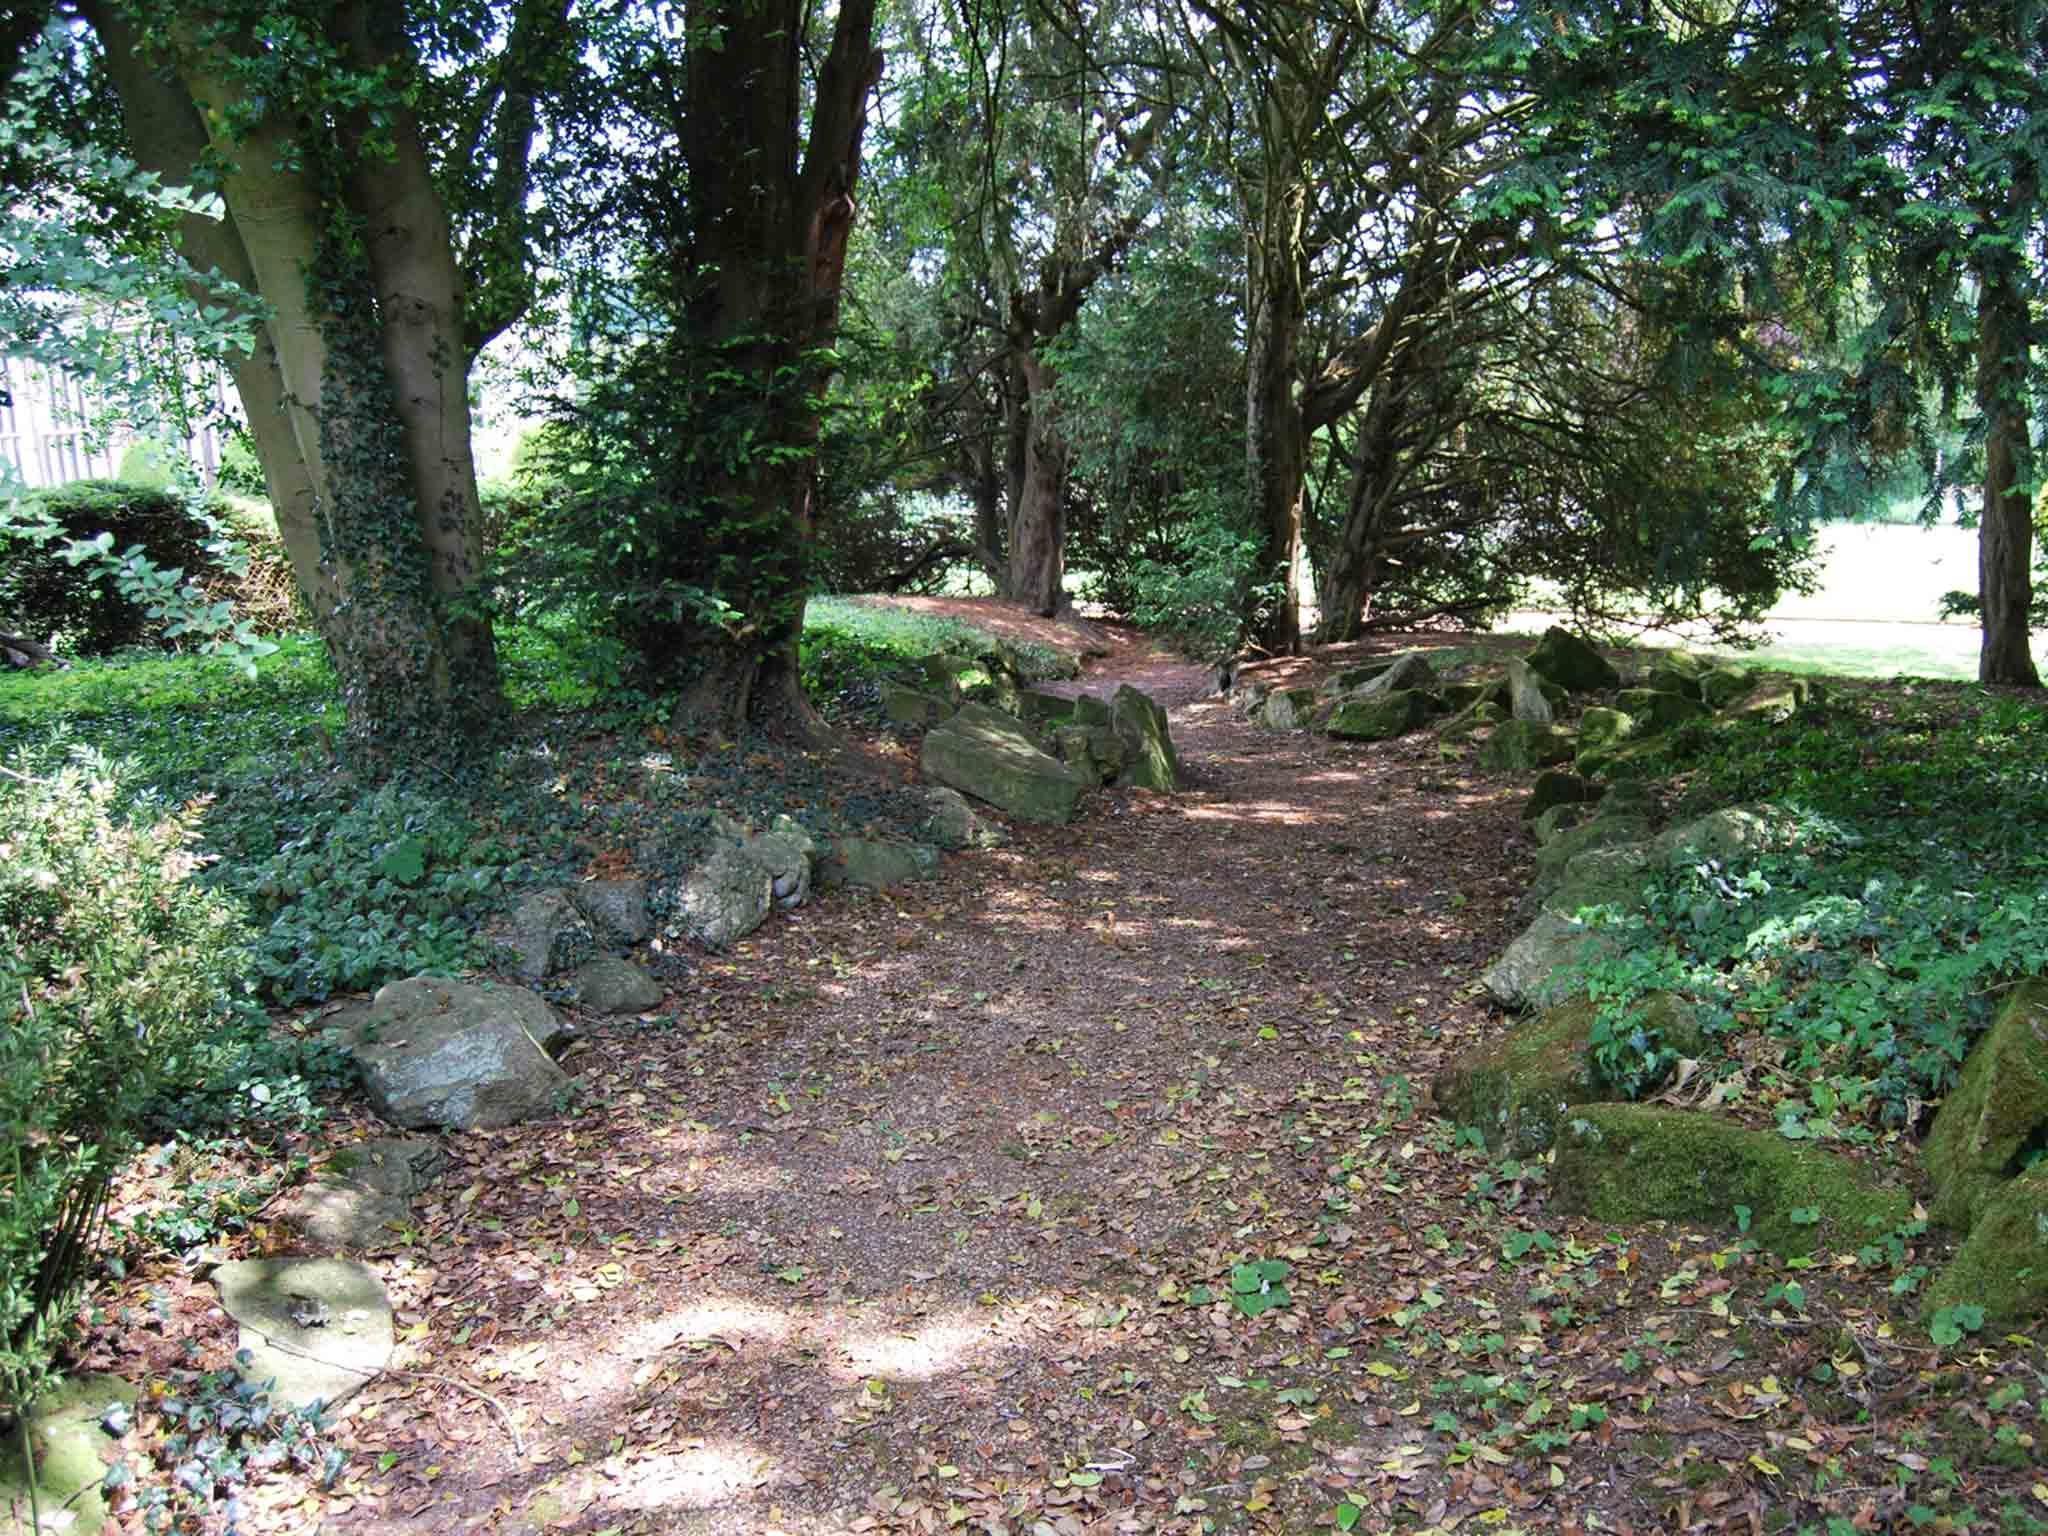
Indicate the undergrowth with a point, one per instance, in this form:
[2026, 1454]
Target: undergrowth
[1842, 977]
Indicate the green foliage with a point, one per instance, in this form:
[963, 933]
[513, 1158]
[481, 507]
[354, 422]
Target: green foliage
[849, 646]
[116, 968]
[1194, 592]
[1870, 949]
[100, 565]
[348, 891]
[215, 1434]
[239, 470]
[1259, 1287]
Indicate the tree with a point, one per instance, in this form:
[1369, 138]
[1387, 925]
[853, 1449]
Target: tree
[1870, 178]
[308, 121]
[691, 446]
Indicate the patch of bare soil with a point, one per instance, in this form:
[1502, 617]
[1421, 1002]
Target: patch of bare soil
[922, 1212]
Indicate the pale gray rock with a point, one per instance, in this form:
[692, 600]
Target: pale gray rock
[547, 935]
[987, 754]
[616, 910]
[724, 899]
[317, 1330]
[1525, 694]
[459, 1055]
[1140, 723]
[610, 985]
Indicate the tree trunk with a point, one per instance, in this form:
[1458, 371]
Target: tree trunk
[357, 394]
[1036, 573]
[2005, 532]
[1276, 459]
[763, 267]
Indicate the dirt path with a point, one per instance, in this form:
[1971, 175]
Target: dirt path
[918, 1213]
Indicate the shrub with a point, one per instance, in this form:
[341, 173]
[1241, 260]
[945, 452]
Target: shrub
[116, 972]
[43, 593]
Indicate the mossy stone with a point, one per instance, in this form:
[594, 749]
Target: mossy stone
[1378, 717]
[1679, 680]
[1600, 726]
[1555, 787]
[1288, 709]
[2003, 1265]
[1462, 696]
[1635, 1163]
[1996, 1114]
[1620, 760]
[1554, 822]
[1516, 1089]
[70, 1447]
[1091, 709]
[1778, 697]
[1662, 708]
[1603, 831]
[1044, 709]
[1572, 663]
[1522, 745]
[1476, 716]
[1358, 676]
[909, 706]
[1724, 685]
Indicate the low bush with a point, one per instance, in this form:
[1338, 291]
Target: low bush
[1847, 976]
[850, 646]
[119, 976]
[44, 594]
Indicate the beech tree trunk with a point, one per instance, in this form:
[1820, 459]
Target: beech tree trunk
[357, 391]
[2005, 532]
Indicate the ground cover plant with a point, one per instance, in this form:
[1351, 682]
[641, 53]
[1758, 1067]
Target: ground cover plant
[1841, 981]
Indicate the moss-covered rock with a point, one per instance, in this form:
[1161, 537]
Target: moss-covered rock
[1724, 685]
[1997, 1114]
[910, 706]
[1622, 760]
[1517, 1088]
[1377, 717]
[1659, 708]
[1603, 831]
[1731, 833]
[1357, 677]
[1777, 697]
[2003, 1266]
[1634, 1163]
[1666, 678]
[1541, 967]
[1554, 822]
[1572, 663]
[1479, 715]
[1047, 710]
[1522, 746]
[1140, 722]
[1554, 787]
[1091, 709]
[71, 1456]
[1462, 696]
[1600, 727]
[1288, 709]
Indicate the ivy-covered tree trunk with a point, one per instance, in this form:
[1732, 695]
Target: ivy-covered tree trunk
[761, 273]
[2005, 533]
[357, 392]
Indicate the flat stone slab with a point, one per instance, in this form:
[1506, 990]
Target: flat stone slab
[69, 1427]
[319, 1329]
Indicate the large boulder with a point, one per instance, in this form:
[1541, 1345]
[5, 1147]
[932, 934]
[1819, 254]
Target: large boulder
[951, 823]
[1526, 698]
[1140, 723]
[2003, 1265]
[1409, 670]
[547, 934]
[1996, 1113]
[457, 1055]
[610, 985]
[1523, 746]
[1732, 833]
[362, 1198]
[1573, 664]
[877, 863]
[984, 753]
[315, 1330]
[1378, 716]
[722, 899]
[1288, 709]
[1634, 1163]
[616, 910]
